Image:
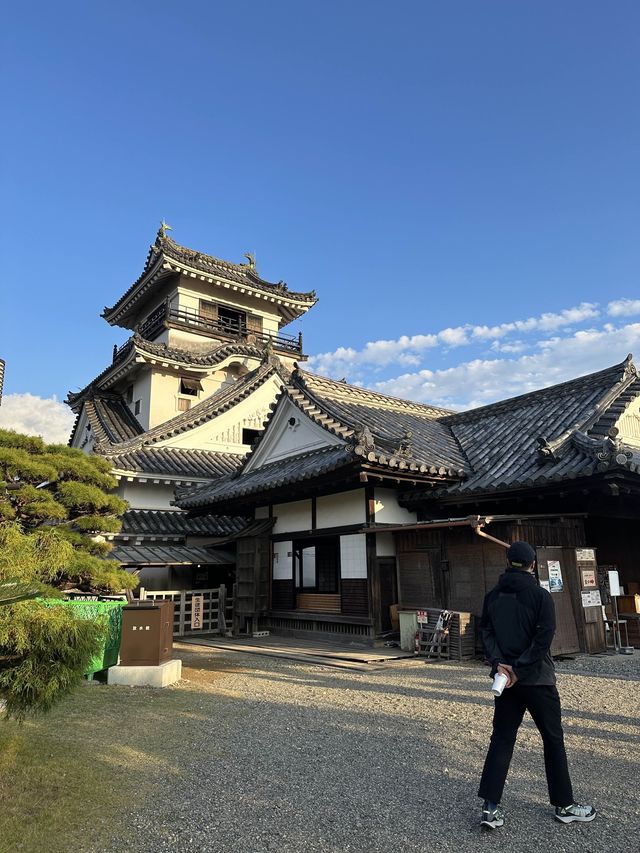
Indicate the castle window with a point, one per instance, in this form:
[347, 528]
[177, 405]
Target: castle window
[232, 321]
[190, 387]
[182, 404]
[249, 435]
[136, 407]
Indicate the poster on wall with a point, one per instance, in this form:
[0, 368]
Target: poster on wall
[589, 579]
[555, 576]
[545, 585]
[591, 599]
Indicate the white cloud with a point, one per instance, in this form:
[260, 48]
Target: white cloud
[516, 346]
[408, 349]
[623, 307]
[33, 415]
[481, 381]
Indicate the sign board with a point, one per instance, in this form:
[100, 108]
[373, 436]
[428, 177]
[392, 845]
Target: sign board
[555, 576]
[585, 555]
[591, 599]
[589, 579]
[422, 616]
[197, 607]
[545, 585]
[614, 583]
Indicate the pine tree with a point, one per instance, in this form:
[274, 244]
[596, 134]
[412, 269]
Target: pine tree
[55, 505]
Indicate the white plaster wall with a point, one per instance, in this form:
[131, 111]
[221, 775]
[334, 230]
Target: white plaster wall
[290, 432]
[262, 512]
[341, 509]
[146, 495]
[224, 433]
[387, 510]
[292, 516]
[353, 556]
[385, 545]
[282, 560]
[142, 392]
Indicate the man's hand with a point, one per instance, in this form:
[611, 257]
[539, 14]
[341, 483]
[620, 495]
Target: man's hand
[505, 669]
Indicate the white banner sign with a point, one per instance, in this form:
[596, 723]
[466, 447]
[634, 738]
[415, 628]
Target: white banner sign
[197, 606]
[614, 583]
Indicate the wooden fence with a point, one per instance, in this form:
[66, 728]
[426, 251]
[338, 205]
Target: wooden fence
[215, 616]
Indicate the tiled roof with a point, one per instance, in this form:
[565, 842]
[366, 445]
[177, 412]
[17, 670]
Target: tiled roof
[205, 357]
[137, 346]
[110, 419]
[245, 275]
[172, 555]
[553, 434]
[295, 469]
[383, 430]
[163, 522]
[172, 462]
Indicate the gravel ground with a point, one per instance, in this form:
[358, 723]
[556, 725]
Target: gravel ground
[283, 756]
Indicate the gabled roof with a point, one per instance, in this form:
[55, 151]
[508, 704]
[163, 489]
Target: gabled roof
[166, 257]
[382, 430]
[554, 434]
[209, 408]
[119, 438]
[379, 433]
[171, 523]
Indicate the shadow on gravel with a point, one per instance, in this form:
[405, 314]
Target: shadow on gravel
[285, 758]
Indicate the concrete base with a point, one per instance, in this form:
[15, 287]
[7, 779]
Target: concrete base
[146, 676]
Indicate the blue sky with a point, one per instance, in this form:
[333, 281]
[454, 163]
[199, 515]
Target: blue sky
[445, 175]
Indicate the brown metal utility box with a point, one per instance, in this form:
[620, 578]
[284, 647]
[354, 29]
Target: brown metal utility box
[147, 633]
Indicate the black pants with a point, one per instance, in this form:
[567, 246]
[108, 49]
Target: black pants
[543, 703]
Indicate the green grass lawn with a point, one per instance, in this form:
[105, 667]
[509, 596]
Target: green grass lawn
[65, 778]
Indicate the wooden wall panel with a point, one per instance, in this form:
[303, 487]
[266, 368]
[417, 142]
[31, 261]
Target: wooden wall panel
[282, 595]
[416, 582]
[355, 597]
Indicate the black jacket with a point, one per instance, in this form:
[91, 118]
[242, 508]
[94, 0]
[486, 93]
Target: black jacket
[518, 624]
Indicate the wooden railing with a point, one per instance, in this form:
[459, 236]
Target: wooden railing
[166, 315]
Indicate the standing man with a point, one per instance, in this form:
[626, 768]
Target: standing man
[518, 624]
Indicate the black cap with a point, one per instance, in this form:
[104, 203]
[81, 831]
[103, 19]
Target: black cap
[520, 554]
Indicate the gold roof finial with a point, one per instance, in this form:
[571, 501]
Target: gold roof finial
[164, 227]
[250, 256]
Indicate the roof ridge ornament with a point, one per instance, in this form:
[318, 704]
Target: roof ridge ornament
[364, 438]
[405, 448]
[251, 258]
[630, 370]
[164, 227]
[268, 355]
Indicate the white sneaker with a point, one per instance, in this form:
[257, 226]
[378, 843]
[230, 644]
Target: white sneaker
[576, 811]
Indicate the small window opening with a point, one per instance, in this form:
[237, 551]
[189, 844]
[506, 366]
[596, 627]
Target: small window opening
[190, 387]
[183, 405]
[232, 321]
[136, 407]
[249, 435]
